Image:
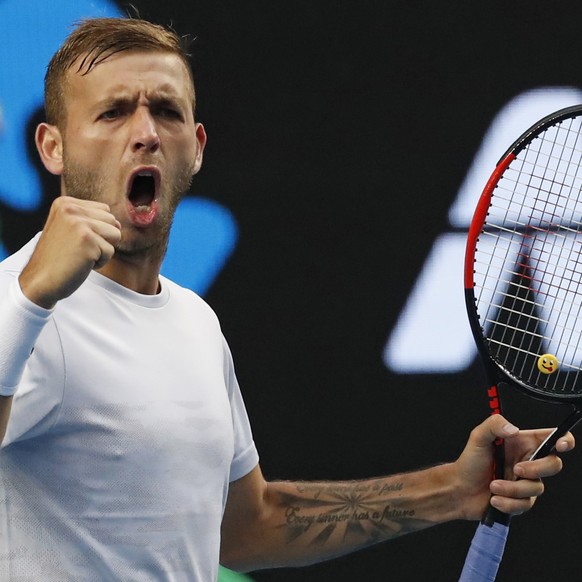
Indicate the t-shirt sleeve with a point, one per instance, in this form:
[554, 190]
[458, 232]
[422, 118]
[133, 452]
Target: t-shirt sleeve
[246, 456]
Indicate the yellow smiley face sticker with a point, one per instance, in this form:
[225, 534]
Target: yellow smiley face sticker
[547, 364]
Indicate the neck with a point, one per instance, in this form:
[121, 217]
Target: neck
[140, 275]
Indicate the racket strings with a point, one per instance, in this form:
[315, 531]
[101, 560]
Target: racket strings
[528, 262]
[536, 320]
[518, 324]
[570, 275]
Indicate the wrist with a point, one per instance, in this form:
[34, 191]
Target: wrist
[32, 291]
[444, 495]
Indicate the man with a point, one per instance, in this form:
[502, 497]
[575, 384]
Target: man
[127, 453]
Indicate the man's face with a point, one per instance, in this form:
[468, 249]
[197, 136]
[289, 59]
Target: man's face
[131, 141]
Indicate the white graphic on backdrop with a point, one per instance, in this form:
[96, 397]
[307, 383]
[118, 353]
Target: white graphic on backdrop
[432, 334]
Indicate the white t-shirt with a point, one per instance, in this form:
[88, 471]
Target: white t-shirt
[125, 431]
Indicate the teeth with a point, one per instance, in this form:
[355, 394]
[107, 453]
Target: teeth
[145, 173]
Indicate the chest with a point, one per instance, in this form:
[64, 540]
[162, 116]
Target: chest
[143, 384]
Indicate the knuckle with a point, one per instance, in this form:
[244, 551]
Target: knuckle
[84, 233]
[62, 205]
[475, 433]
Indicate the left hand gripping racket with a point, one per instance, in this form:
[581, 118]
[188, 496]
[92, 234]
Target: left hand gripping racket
[523, 290]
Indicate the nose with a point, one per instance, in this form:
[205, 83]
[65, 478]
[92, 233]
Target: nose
[144, 132]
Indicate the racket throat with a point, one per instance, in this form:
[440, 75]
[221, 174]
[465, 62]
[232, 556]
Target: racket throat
[548, 446]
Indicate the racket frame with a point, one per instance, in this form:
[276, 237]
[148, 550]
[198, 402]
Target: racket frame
[495, 370]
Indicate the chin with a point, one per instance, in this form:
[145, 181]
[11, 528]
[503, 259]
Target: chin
[140, 245]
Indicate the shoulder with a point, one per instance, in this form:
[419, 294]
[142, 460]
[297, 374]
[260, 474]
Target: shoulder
[188, 301]
[180, 293]
[14, 263]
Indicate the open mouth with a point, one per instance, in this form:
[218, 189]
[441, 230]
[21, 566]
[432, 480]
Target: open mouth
[142, 196]
[143, 190]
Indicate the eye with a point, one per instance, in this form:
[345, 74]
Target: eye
[168, 112]
[172, 113]
[110, 114]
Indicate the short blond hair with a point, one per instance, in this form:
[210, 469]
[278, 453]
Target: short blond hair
[96, 39]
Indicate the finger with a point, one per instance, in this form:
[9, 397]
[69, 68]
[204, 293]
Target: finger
[85, 208]
[107, 252]
[106, 238]
[512, 506]
[81, 203]
[521, 489]
[68, 204]
[109, 231]
[530, 441]
[545, 467]
[566, 443]
[99, 214]
[494, 427]
[103, 216]
[105, 257]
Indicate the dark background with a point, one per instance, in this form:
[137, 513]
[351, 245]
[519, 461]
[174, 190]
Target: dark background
[339, 134]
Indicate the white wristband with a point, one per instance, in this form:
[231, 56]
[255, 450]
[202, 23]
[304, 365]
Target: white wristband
[21, 322]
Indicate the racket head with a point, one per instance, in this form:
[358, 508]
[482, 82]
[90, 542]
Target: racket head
[523, 263]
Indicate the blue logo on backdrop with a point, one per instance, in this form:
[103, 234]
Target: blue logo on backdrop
[204, 232]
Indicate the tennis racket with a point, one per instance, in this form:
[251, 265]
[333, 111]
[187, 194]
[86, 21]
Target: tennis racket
[523, 291]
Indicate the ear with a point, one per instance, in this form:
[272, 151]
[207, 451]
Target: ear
[49, 144]
[201, 140]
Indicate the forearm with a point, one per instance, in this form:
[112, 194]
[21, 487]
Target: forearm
[311, 522]
[269, 525]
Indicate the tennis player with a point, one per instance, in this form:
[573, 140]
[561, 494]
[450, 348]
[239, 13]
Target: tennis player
[126, 449]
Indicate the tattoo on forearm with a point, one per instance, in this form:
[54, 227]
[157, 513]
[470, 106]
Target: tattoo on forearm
[357, 513]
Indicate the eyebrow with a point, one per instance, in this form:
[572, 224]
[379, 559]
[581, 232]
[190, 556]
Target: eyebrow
[157, 97]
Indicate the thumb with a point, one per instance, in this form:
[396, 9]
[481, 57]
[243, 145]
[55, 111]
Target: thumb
[494, 427]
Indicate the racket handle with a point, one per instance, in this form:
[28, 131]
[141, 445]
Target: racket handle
[485, 553]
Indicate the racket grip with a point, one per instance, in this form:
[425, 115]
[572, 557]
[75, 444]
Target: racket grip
[485, 553]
